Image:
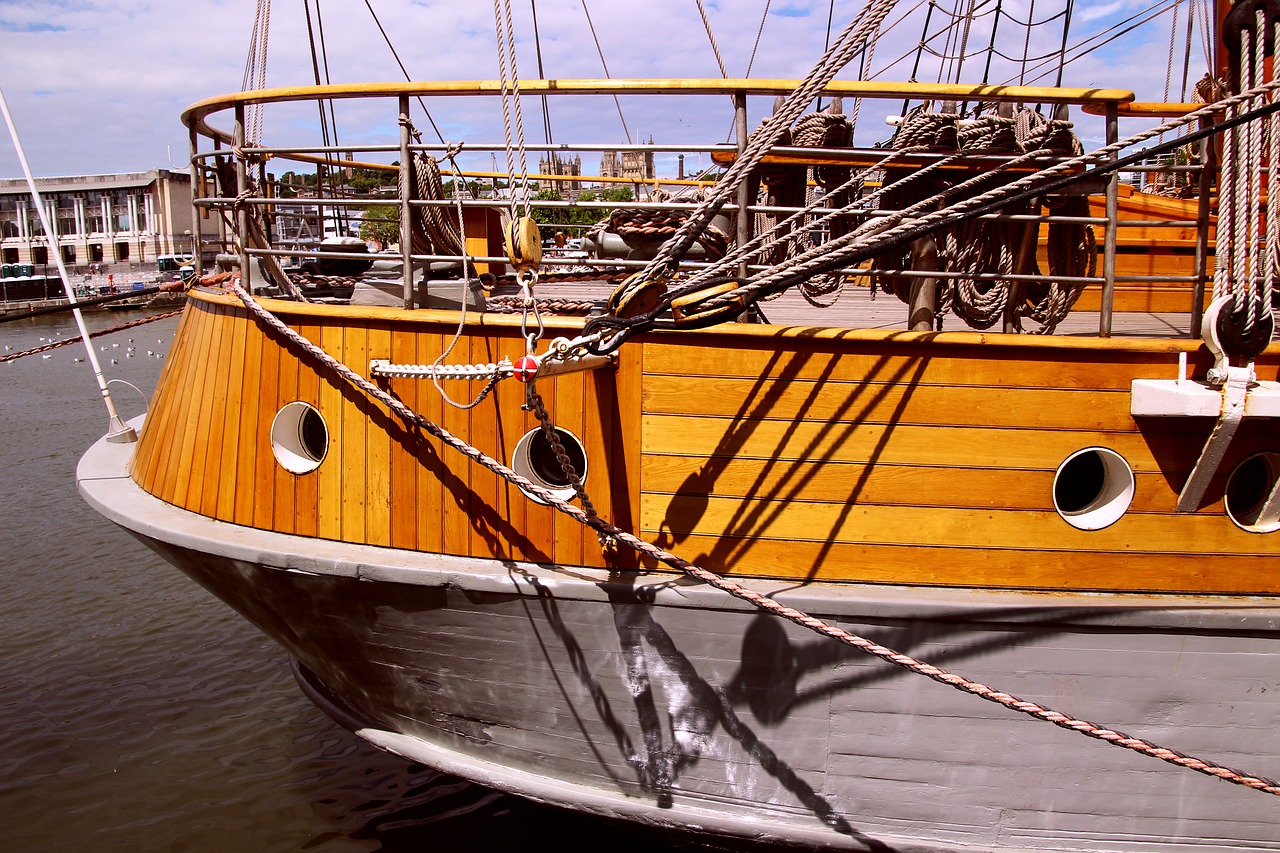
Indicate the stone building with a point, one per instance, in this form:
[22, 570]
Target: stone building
[129, 218]
[554, 165]
[637, 165]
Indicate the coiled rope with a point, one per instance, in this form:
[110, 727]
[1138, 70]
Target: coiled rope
[605, 529]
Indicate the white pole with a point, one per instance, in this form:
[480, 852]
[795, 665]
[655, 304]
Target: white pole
[117, 430]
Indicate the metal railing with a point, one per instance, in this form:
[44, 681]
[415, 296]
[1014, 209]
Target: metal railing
[216, 150]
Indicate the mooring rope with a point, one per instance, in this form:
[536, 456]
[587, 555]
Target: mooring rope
[604, 528]
[98, 334]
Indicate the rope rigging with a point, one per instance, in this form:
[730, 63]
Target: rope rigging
[898, 229]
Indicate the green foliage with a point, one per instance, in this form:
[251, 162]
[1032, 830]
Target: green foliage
[578, 217]
[381, 222]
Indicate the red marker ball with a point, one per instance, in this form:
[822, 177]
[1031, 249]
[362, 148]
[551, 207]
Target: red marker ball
[525, 368]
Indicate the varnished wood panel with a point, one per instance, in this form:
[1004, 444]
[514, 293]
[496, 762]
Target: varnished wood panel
[230, 423]
[211, 424]
[330, 481]
[456, 500]
[266, 470]
[403, 462]
[250, 438]
[688, 478]
[1006, 366]
[377, 447]
[844, 458]
[284, 508]
[1043, 567]
[352, 441]
[1156, 533]
[186, 472]
[889, 402]
[431, 473]
[153, 453]
[967, 447]
[306, 486]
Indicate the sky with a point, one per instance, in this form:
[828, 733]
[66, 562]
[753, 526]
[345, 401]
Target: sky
[97, 86]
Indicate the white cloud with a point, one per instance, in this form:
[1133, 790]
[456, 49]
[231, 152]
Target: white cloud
[97, 85]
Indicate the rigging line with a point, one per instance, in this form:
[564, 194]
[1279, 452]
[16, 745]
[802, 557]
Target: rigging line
[1186, 57]
[1173, 41]
[341, 211]
[507, 60]
[922, 46]
[321, 171]
[964, 39]
[405, 71]
[542, 74]
[1026, 44]
[1206, 32]
[1119, 28]
[1062, 51]
[1040, 23]
[605, 65]
[826, 42]
[851, 40]
[928, 15]
[991, 46]
[759, 32]
[706, 24]
[884, 31]
[950, 30]
[1084, 49]
[255, 70]
[1039, 59]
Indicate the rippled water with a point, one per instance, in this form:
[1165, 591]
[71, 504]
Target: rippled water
[139, 713]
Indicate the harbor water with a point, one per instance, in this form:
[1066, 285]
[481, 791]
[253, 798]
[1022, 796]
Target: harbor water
[137, 712]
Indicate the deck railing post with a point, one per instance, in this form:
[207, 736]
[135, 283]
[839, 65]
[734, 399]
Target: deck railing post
[744, 199]
[196, 238]
[1109, 240]
[242, 210]
[406, 227]
[1208, 166]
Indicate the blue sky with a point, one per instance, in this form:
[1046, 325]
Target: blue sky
[96, 86]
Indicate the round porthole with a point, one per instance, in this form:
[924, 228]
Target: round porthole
[1093, 488]
[535, 460]
[299, 438]
[1248, 488]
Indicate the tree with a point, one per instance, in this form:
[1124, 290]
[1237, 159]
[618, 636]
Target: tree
[381, 222]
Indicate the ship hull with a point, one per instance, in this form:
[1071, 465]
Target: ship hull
[647, 697]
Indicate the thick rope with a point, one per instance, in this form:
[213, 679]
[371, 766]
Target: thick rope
[1032, 709]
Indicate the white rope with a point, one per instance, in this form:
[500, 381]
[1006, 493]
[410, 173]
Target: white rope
[508, 73]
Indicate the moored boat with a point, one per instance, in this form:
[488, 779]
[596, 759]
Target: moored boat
[812, 579]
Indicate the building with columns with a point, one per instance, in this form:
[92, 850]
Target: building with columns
[125, 219]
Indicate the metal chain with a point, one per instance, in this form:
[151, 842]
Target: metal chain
[534, 403]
